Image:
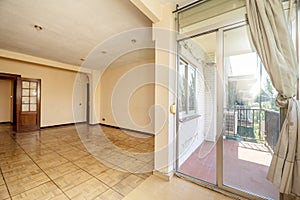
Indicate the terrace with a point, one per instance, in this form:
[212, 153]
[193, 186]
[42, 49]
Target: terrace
[248, 141]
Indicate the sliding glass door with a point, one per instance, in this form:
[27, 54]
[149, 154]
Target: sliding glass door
[197, 75]
[251, 118]
[228, 123]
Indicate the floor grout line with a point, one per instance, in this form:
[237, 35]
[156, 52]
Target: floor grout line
[41, 170]
[52, 149]
[5, 183]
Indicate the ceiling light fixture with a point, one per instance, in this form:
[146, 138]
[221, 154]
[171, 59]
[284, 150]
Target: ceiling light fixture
[133, 41]
[38, 27]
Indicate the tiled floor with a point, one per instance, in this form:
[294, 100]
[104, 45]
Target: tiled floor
[82, 162]
[245, 166]
[154, 188]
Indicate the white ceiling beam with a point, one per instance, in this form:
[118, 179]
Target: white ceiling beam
[151, 8]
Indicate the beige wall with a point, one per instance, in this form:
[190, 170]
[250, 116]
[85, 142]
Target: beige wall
[127, 97]
[5, 100]
[56, 89]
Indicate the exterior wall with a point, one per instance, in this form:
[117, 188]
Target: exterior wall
[210, 75]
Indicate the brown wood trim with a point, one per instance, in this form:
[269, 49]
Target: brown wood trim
[126, 129]
[7, 76]
[5, 123]
[20, 127]
[62, 125]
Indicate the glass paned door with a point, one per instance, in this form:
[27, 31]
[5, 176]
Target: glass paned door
[29, 96]
[28, 104]
[251, 119]
[197, 74]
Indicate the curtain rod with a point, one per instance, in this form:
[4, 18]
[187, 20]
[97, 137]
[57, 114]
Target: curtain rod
[178, 8]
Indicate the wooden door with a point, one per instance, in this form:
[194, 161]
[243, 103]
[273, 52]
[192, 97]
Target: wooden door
[28, 104]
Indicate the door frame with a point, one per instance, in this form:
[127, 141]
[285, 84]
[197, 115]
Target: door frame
[219, 29]
[13, 78]
[18, 126]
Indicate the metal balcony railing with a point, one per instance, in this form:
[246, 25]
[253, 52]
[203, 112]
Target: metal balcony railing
[252, 125]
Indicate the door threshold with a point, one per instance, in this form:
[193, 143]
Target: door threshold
[215, 188]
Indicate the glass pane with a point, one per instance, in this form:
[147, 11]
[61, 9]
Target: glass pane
[182, 88]
[32, 92]
[32, 107]
[32, 99]
[192, 89]
[197, 135]
[25, 99]
[25, 92]
[25, 84]
[25, 107]
[210, 12]
[251, 117]
[33, 85]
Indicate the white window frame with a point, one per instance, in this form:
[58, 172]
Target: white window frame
[187, 112]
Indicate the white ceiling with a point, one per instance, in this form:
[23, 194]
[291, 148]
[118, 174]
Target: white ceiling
[71, 28]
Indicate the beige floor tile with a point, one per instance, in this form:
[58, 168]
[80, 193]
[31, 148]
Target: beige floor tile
[72, 179]
[60, 197]
[87, 190]
[158, 189]
[71, 159]
[3, 192]
[96, 168]
[22, 173]
[85, 161]
[111, 177]
[128, 184]
[117, 158]
[21, 185]
[50, 160]
[18, 168]
[10, 152]
[74, 154]
[61, 170]
[1, 179]
[144, 175]
[39, 153]
[45, 191]
[133, 165]
[110, 195]
[14, 160]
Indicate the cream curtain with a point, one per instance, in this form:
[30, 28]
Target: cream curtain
[274, 45]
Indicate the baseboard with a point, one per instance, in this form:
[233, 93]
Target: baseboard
[126, 129]
[5, 122]
[61, 125]
[166, 177]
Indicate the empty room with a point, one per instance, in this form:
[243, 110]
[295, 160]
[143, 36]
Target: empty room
[149, 99]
